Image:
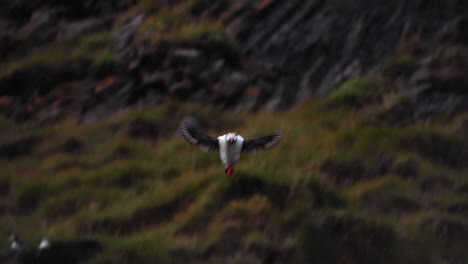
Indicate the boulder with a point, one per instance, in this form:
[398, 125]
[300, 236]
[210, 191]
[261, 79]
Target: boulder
[73, 29]
[123, 35]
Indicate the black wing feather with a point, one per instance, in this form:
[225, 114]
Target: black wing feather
[205, 142]
[262, 143]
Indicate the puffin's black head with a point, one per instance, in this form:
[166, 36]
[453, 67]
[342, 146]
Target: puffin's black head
[231, 138]
[13, 237]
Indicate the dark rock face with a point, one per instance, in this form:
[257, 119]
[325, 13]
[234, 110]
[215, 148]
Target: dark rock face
[286, 52]
[123, 35]
[437, 86]
[23, 9]
[326, 39]
[73, 29]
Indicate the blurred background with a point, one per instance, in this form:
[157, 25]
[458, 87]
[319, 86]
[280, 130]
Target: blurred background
[372, 96]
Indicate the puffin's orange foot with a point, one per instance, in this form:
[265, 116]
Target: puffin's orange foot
[229, 170]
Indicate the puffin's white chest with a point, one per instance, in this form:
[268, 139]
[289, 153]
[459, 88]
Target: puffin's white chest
[230, 153]
[44, 244]
[15, 245]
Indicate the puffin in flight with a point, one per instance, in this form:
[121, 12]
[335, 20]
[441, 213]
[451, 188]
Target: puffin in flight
[230, 145]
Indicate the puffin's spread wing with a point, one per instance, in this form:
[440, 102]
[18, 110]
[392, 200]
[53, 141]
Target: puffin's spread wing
[262, 143]
[205, 142]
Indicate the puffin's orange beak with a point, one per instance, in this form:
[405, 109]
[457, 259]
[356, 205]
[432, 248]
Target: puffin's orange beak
[229, 170]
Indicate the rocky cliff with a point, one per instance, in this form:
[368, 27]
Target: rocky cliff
[92, 58]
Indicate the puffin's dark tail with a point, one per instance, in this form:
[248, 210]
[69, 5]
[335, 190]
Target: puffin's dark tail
[229, 170]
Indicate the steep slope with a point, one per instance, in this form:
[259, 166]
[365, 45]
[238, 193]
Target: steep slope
[372, 169]
[89, 59]
[338, 189]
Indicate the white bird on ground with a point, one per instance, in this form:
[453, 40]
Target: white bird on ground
[43, 246]
[44, 243]
[230, 145]
[16, 243]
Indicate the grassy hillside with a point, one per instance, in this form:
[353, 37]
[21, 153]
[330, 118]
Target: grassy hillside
[340, 187]
[373, 172]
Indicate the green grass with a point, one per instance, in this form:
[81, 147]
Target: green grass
[158, 199]
[356, 92]
[177, 25]
[148, 198]
[403, 65]
[94, 49]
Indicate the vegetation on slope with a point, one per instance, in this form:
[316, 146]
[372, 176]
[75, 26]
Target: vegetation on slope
[336, 188]
[343, 186]
[93, 50]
